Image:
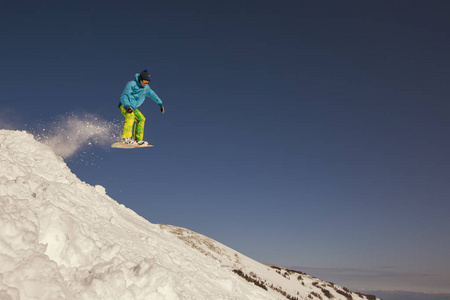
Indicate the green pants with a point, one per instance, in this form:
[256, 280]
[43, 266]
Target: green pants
[130, 118]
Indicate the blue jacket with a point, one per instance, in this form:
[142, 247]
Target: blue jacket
[134, 94]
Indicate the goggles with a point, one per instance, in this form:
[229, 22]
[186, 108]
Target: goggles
[145, 81]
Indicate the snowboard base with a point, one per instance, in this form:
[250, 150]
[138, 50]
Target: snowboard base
[127, 146]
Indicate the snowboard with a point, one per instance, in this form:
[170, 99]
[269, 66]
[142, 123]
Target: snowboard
[126, 146]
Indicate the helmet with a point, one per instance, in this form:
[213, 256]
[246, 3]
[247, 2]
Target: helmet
[145, 75]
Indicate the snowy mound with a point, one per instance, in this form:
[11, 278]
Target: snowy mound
[61, 238]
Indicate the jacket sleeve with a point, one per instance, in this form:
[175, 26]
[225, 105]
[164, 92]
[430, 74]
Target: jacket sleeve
[150, 93]
[125, 98]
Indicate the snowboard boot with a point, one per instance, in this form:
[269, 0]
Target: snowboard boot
[142, 143]
[129, 141]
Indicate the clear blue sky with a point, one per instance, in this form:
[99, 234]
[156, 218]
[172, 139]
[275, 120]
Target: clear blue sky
[301, 133]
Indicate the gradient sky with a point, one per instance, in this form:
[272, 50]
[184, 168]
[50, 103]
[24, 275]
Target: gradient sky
[309, 134]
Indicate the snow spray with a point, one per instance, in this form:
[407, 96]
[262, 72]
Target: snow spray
[71, 133]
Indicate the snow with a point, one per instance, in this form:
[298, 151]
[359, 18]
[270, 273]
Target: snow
[61, 238]
[69, 133]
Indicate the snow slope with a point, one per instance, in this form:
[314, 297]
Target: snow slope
[291, 284]
[61, 238]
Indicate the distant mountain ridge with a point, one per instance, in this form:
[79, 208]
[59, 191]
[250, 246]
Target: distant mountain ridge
[291, 284]
[61, 238]
[408, 295]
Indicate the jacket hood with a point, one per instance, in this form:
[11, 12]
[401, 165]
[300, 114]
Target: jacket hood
[136, 77]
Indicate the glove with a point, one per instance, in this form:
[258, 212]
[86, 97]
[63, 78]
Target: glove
[163, 110]
[129, 109]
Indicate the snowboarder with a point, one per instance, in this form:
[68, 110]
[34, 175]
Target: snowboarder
[132, 97]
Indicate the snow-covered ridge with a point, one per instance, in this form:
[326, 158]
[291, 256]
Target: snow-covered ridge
[61, 238]
[291, 284]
